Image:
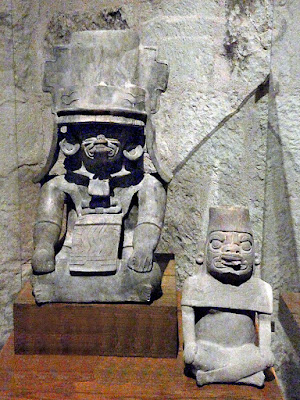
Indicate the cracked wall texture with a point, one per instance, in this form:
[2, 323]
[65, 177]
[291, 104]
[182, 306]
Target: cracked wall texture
[282, 212]
[211, 127]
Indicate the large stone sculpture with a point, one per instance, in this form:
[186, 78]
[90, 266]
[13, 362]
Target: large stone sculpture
[226, 309]
[104, 87]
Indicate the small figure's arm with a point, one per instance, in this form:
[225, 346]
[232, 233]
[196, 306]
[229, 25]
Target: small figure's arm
[189, 335]
[264, 335]
[152, 204]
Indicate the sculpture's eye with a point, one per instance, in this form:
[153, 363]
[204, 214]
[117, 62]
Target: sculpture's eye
[246, 245]
[216, 244]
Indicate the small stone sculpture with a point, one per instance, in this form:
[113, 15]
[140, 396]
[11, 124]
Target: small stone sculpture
[104, 87]
[226, 310]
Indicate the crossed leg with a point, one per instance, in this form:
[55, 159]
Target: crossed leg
[243, 364]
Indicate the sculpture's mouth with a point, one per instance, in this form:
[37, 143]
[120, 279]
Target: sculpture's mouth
[101, 145]
[230, 261]
[100, 148]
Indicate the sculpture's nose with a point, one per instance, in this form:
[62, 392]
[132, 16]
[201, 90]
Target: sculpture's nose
[231, 248]
[101, 139]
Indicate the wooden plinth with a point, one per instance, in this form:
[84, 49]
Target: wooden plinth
[99, 329]
[289, 316]
[73, 377]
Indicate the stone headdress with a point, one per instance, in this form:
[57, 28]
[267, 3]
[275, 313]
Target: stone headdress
[229, 218]
[106, 76]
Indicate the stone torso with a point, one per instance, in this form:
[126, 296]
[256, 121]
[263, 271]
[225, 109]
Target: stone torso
[228, 328]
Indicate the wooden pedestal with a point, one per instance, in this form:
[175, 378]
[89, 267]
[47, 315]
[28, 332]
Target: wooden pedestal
[73, 377]
[99, 329]
[289, 316]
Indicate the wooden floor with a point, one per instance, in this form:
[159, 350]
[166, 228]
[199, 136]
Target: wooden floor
[61, 377]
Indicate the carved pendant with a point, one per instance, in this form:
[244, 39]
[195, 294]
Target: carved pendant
[99, 187]
[95, 244]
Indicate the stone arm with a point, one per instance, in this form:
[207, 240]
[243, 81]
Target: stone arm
[189, 335]
[264, 335]
[48, 227]
[49, 221]
[152, 204]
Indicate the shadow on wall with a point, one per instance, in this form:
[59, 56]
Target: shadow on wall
[279, 256]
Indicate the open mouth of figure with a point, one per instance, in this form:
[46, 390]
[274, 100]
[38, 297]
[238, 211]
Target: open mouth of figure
[101, 148]
[231, 262]
[101, 145]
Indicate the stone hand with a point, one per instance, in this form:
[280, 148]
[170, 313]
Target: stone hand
[43, 260]
[268, 357]
[141, 260]
[190, 351]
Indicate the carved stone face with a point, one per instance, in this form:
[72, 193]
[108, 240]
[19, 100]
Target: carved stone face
[101, 148]
[230, 256]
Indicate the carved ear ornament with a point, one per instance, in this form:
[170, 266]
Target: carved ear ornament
[200, 258]
[134, 154]
[69, 149]
[257, 259]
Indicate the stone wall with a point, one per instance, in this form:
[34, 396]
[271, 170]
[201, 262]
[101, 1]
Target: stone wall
[10, 271]
[212, 127]
[282, 215]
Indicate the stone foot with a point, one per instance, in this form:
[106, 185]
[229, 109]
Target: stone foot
[42, 293]
[201, 378]
[257, 379]
[144, 292]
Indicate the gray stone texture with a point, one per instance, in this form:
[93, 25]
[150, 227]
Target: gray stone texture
[282, 216]
[115, 207]
[10, 271]
[211, 127]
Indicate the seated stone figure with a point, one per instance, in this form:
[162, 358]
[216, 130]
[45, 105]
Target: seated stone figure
[226, 310]
[111, 191]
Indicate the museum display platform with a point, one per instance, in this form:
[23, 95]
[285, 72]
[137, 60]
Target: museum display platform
[145, 330]
[92, 377]
[289, 317]
[71, 377]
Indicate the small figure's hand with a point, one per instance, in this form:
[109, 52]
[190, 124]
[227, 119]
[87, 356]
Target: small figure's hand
[43, 260]
[189, 352]
[141, 260]
[268, 356]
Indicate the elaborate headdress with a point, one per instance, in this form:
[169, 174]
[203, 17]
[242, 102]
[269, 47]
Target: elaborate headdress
[106, 76]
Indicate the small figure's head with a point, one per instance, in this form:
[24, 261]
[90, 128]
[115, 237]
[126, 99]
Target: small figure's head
[230, 253]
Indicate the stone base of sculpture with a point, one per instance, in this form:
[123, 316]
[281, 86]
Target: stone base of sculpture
[123, 285]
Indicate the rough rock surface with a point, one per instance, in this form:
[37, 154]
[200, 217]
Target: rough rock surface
[211, 127]
[10, 271]
[228, 168]
[282, 216]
